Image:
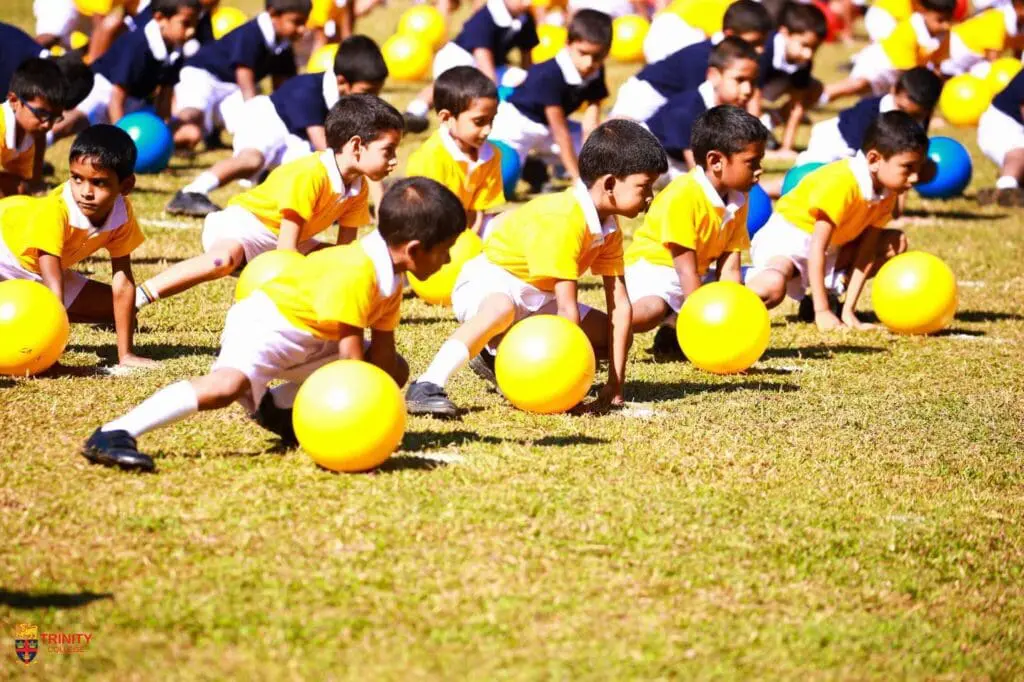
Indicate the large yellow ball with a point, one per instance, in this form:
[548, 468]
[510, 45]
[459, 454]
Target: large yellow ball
[723, 328]
[349, 416]
[964, 99]
[33, 328]
[1001, 73]
[545, 364]
[628, 35]
[915, 293]
[262, 269]
[437, 289]
[226, 19]
[408, 57]
[424, 22]
[322, 58]
[552, 39]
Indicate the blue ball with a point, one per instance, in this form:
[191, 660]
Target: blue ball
[759, 209]
[797, 173]
[153, 140]
[953, 169]
[510, 169]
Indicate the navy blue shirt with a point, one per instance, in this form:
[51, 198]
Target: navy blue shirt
[854, 122]
[545, 86]
[204, 29]
[1011, 98]
[245, 46]
[131, 63]
[300, 103]
[673, 122]
[799, 79]
[682, 70]
[17, 47]
[483, 31]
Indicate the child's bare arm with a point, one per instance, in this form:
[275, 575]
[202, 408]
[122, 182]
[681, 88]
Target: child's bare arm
[115, 108]
[484, 59]
[346, 235]
[246, 79]
[823, 316]
[684, 260]
[591, 119]
[350, 347]
[796, 114]
[862, 262]
[123, 289]
[475, 220]
[566, 300]
[163, 101]
[559, 126]
[317, 138]
[53, 274]
[729, 267]
[10, 184]
[288, 237]
[620, 321]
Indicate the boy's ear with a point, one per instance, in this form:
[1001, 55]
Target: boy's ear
[127, 185]
[443, 115]
[12, 98]
[713, 161]
[608, 183]
[412, 250]
[344, 87]
[354, 144]
[873, 157]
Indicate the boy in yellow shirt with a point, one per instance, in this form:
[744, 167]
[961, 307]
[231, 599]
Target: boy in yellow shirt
[34, 104]
[827, 233]
[458, 155]
[297, 201]
[983, 38]
[534, 257]
[311, 314]
[699, 220]
[42, 238]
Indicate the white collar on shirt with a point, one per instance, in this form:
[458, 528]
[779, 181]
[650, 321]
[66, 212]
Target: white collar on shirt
[717, 38]
[924, 37]
[887, 104]
[598, 229]
[11, 131]
[450, 146]
[569, 72]
[117, 217]
[377, 249]
[157, 45]
[329, 86]
[269, 34]
[736, 199]
[334, 175]
[706, 90]
[779, 60]
[501, 16]
[861, 172]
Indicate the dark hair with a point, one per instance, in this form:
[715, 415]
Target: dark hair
[168, 8]
[365, 116]
[78, 79]
[620, 147]
[591, 26]
[282, 6]
[729, 50]
[359, 60]
[895, 132]
[420, 209]
[747, 16]
[921, 85]
[800, 18]
[108, 147]
[726, 129]
[456, 88]
[947, 7]
[38, 78]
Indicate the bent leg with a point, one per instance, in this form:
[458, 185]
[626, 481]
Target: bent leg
[223, 258]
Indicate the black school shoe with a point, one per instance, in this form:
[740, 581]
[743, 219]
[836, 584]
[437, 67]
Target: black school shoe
[666, 344]
[191, 204]
[415, 123]
[116, 449]
[277, 420]
[423, 397]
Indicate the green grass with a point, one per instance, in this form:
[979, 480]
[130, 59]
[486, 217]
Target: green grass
[848, 509]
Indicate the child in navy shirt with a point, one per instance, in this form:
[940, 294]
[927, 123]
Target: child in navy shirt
[288, 124]
[643, 94]
[1001, 138]
[536, 116]
[224, 74]
[204, 29]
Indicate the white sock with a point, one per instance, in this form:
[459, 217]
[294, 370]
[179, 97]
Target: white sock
[284, 395]
[417, 107]
[205, 183]
[166, 406]
[449, 359]
[1007, 182]
[144, 295]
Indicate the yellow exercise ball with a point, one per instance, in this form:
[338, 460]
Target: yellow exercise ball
[915, 293]
[437, 289]
[407, 57]
[91, 8]
[226, 19]
[264, 268]
[552, 39]
[545, 364]
[723, 328]
[1001, 72]
[33, 328]
[424, 22]
[628, 35]
[322, 58]
[964, 99]
[349, 416]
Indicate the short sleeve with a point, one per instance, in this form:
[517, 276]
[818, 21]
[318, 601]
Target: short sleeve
[555, 250]
[678, 122]
[390, 314]
[246, 48]
[610, 261]
[739, 240]
[527, 38]
[48, 228]
[299, 195]
[355, 212]
[675, 221]
[125, 70]
[349, 299]
[546, 90]
[490, 191]
[479, 31]
[828, 201]
[283, 64]
[126, 239]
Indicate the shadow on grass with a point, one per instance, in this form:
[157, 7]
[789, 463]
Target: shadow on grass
[959, 331]
[819, 352]
[50, 600]
[154, 351]
[425, 320]
[559, 441]
[968, 216]
[397, 463]
[654, 391]
[415, 441]
[985, 316]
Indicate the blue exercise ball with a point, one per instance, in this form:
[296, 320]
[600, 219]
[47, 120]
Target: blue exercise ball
[759, 209]
[953, 169]
[510, 169]
[797, 173]
[153, 140]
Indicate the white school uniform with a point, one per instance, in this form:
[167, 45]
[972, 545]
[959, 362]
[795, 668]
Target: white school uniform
[669, 33]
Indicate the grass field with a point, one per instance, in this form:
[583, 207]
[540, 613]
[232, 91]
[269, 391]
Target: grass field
[850, 508]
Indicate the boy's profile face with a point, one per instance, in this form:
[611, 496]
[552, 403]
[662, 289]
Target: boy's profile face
[471, 128]
[735, 84]
[909, 106]
[899, 172]
[739, 171]
[378, 158]
[938, 23]
[800, 47]
[179, 28]
[36, 114]
[426, 262]
[755, 38]
[587, 57]
[516, 7]
[632, 194]
[288, 25]
[96, 189]
[359, 87]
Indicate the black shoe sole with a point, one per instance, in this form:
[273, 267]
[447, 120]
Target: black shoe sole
[106, 459]
[422, 410]
[483, 370]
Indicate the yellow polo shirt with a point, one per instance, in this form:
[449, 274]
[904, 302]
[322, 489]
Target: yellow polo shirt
[842, 193]
[556, 237]
[54, 224]
[354, 285]
[310, 188]
[910, 44]
[987, 30]
[477, 184]
[14, 158]
[691, 214]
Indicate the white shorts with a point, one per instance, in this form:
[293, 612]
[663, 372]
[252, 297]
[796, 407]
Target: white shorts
[644, 279]
[826, 144]
[668, 34]
[261, 128]
[220, 102]
[780, 239]
[525, 135]
[999, 134]
[96, 105]
[873, 65]
[613, 8]
[450, 56]
[238, 225]
[480, 278]
[637, 100]
[261, 344]
[56, 18]
[963, 59]
[879, 24]
[10, 268]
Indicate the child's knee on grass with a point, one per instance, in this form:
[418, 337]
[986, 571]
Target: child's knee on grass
[220, 388]
[648, 313]
[770, 284]
[595, 326]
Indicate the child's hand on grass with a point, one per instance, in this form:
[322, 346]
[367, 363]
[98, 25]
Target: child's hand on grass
[827, 321]
[853, 322]
[609, 397]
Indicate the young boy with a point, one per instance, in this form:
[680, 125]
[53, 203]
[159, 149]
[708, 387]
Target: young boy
[699, 220]
[1001, 138]
[643, 94]
[536, 116]
[916, 93]
[309, 315]
[485, 40]
[983, 37]
[919, 40]
[297, 201]
[731, 79]
[222, 75]
[826, 234]
[534, 257]
[458, 155]
[42, 238]
[286, 125]
[34, 103]
[204, 27]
